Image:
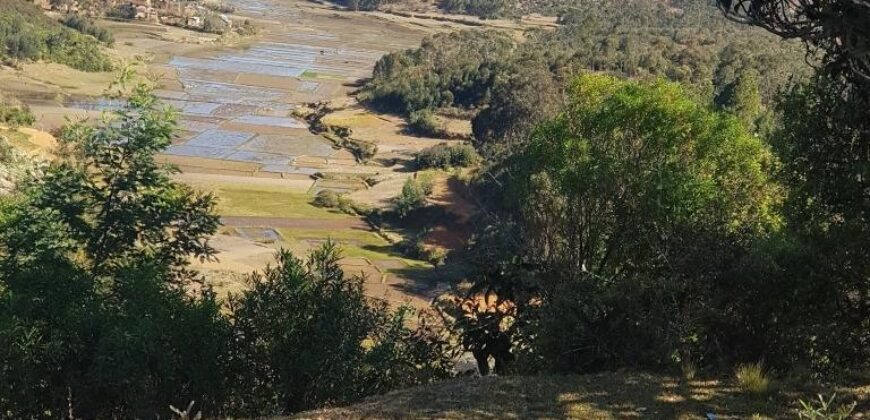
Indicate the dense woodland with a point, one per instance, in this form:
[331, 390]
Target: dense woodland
[508, 86]
[663, 197]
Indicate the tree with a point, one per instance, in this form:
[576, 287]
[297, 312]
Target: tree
[838, 28]
[99, 316]
[824, 143]
[332, 346]
[632, 205]
[629, 162]
[520, 101]
[742, 98]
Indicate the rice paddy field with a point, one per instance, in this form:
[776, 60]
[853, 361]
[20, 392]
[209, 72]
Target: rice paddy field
[238, 136]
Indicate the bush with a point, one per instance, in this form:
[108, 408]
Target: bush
[99, 316]
[413, 195]
[307, 336]
[415, 247]
[327, 199]
[16, 115]
[424, 123]
[481, 8]
[825, 410]
[122, 11]
[219, 7]
[332, 200]
[87, 27]
[444, 156]
[752, 379]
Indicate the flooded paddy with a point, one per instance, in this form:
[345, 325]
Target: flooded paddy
[236, 104]
[239, 139]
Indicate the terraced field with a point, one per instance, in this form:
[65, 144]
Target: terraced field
[239, 137]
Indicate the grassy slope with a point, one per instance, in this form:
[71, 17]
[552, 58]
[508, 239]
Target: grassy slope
[604, 396]
[43, 38]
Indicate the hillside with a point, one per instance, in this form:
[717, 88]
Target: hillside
[603, 396]
[28, 34]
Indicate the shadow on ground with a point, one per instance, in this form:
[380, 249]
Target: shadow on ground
[603, 396]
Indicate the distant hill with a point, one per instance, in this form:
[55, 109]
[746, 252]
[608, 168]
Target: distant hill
[26, 33]
[603, 396]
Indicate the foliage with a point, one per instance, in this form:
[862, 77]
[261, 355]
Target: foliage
[97, 319]
[214, 24]
[333, 200]
[445, 156]
[752, 379]
[632, 209]
[414, 246]
[413, 196]
[836, 28]
[334, 346]
[423, 122]
[88, 27]
[122, 11]
[100, 316]
[743, 98]
[16, 116]
[512, 86]
[825, 410]
[27, 34]
[455, 68]
[482, 8]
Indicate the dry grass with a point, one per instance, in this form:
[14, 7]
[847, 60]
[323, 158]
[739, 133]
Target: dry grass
[752, 379]
[604, 396]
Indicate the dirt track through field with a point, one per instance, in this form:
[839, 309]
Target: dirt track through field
[293, 223]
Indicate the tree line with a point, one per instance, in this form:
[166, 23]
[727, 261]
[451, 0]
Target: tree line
[509, 85]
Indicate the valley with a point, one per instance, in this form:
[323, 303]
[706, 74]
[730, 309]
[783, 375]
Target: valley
[239, 136]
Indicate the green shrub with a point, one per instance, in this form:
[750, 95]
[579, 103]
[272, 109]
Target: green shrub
[481, 8]
[87, 27]
[219, 7]
[327, 199]
[97, 316]
[413, 195]
[307, 336]
[752, 379]
[424, 123]
[444, 156]
[825, 409]
[333, 200]
[415, 247]
[16, 115]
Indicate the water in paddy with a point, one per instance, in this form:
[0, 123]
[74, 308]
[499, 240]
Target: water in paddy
[237, 105]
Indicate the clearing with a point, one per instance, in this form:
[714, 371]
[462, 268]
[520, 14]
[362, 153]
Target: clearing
[601, 396]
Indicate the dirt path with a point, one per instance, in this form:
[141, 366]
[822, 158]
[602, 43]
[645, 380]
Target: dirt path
[290, 223]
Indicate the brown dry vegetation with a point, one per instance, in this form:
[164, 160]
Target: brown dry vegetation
[602, 396]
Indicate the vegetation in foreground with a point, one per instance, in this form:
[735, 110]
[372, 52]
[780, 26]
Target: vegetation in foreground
[101, 318]
[27, 34]
[598, 396]
[632, 224]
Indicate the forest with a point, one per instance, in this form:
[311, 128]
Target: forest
[659, 191]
